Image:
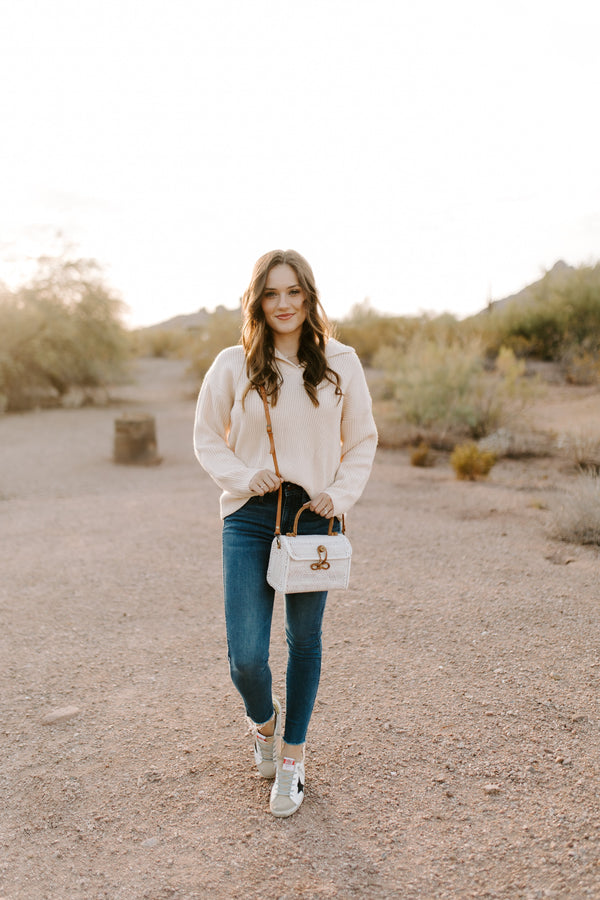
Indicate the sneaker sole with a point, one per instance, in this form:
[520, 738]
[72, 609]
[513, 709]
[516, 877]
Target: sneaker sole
[284, 814]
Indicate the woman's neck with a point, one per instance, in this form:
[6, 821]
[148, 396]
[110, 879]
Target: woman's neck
[288, 348]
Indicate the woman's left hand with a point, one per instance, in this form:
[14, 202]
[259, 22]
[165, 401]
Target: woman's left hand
[322, 504]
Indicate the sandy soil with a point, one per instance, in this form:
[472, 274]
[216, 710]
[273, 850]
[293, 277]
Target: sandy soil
[454, 749]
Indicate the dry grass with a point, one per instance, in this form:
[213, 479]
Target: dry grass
[519, 443]
[582, 448]
[577, 519]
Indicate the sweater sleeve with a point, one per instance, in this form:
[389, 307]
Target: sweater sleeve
[211, 430]
[359, 442]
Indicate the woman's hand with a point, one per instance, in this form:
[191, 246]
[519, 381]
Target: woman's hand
[264, 482]
[322, 505]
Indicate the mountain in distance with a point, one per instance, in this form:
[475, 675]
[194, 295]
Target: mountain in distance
[181, 323]
[558, 271]
[192, 321]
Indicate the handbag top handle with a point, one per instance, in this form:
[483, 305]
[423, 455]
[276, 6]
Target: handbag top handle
[263, 395]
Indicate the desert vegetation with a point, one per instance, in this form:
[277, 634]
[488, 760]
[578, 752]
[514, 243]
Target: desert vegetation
[470, 462]
[576, 518]
[557, 319]
[440, 385]
[441, 381]
[60, 333]
[199, 342]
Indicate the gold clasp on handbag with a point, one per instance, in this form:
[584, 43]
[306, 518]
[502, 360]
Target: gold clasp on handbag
[322, 564]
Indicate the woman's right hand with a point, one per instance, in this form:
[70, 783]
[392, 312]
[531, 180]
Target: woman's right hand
[264, 482]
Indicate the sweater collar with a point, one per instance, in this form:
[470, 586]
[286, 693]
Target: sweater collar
[336, 348]
[332, 348]
[279, 355]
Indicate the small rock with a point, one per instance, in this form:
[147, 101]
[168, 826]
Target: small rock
[492, 789]
[60, 715]
[150, 842]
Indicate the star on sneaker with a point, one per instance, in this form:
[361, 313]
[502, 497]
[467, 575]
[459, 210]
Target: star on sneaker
[265, 748]
[288, 791]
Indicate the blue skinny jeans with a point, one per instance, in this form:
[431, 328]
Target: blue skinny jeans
[247, 537]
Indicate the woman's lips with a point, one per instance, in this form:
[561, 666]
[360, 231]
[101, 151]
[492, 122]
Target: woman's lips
[285, 316]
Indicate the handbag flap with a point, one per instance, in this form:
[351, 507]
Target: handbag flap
[304, 546]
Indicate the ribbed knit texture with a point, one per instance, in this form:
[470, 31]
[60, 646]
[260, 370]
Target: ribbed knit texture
[232, 444]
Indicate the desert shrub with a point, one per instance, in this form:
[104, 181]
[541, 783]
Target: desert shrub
[432, 383]
[199, 344]
[222, 329]
[557, 319]
[537, 330]
[577, 517]
[470, 462]
[159, 343]
[444, 387]
[61, 331]
[519, 443]
[369, 331]
[421, 456]
[582, 449]
[395, 432]
[580, 366]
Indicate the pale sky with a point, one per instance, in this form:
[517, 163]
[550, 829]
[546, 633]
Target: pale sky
[426, 155]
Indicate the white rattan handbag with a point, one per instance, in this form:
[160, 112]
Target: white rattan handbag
[299, 563]
[309, 562]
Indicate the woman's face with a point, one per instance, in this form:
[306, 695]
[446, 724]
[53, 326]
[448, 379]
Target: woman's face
[284, 302]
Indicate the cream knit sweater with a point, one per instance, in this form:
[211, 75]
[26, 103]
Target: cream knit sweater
[328, 448]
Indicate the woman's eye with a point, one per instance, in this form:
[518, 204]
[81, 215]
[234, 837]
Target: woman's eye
[294, 292]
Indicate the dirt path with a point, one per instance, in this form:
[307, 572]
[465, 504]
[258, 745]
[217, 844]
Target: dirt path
[454, 749]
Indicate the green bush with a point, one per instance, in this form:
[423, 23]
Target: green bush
[432, 383]
[445, 388]
[61, 331]
[558, 319]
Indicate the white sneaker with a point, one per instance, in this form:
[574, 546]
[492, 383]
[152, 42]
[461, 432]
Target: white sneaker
[266, 748]
[288, 791]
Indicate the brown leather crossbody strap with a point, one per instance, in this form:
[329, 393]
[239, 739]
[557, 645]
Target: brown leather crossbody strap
[263, 395]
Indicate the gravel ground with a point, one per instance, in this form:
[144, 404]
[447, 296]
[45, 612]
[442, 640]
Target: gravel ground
[454, 748]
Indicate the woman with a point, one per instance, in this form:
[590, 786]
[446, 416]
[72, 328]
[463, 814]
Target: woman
[320, 409]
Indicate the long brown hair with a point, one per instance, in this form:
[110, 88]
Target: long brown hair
[257, 337]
